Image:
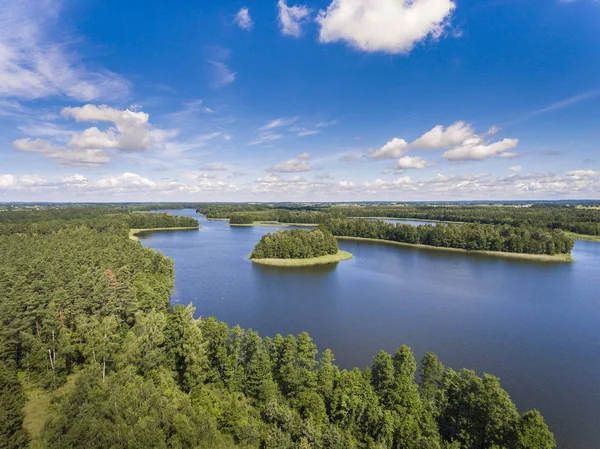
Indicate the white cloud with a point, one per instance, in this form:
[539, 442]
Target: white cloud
[6, 181]
[475, 149]
[87, 158]
[131, 133]
[303, 156]
[278, 123]
[583, 183]
[265, 137]
[125, 181]
[516, 168]
[303, 132]
[390, 26]
[75, 179]
[291, 166]
[459, 139]
[243, 19]
[567, 102]
[222, 75]
[391, 150]
[439, 138]
[379, 184]
[291, 18]
[34, 65]
[408, 162]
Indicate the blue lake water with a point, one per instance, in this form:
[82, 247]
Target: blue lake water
[535, 325]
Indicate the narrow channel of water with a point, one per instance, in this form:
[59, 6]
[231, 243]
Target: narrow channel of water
[535, 325]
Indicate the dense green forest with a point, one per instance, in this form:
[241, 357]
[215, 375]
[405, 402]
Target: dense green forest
[49, 221]
[238, 219]
[472, 236]
[85, 315]
[295, 244]
[582, 220]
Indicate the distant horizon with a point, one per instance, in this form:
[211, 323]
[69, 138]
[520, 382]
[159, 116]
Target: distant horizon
[515, 201]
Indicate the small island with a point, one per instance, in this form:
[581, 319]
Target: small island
[298, 248]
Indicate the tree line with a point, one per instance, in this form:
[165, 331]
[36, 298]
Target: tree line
[569, 218]
[89, 306]
[48, 221]
[581, 220]
[295, 244]
[472, 236]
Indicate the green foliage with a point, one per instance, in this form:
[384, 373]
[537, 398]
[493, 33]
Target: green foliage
[241, 219]
[12, 401]
[472, 237]
[295, 244]
[149, 221]
[86, 303]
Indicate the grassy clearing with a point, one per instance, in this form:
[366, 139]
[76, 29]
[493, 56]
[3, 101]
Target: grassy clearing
[37, 408]
[133, 232]
[331, 258]
[589, 238]
[533, 257]
[273, 223]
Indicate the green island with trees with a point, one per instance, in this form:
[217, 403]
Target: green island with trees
[298, 247]
[500, 240]
[93, 355]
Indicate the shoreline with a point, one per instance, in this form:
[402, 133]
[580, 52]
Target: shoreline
[558, 258]
[133, 232]
[272, 223]
[584, 237]
[312, 261]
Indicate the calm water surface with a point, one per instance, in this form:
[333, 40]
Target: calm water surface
[535, 325]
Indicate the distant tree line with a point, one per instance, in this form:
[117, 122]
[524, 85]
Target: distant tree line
[48, 221]
[154, 220]
[89, 306]
[581, 220]
[569, 218]
[472, 237]
[295, 244]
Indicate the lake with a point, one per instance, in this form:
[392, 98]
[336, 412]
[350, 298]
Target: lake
[535, 325]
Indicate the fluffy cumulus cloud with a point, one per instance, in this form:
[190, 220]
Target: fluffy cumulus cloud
[291, 18]
[439, 138]
[409, 162]
[122, 131]
[291, 166]
[476, 149]
[130, 131]
[243, 19]
[304, 156]
[458, 139]
[33, 64]
[390, 26]
[391, 150]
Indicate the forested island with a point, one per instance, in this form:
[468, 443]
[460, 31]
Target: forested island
[93, 355]
[523, 240]
[297, 247]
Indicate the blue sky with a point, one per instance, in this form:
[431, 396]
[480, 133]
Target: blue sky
[328, 100]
